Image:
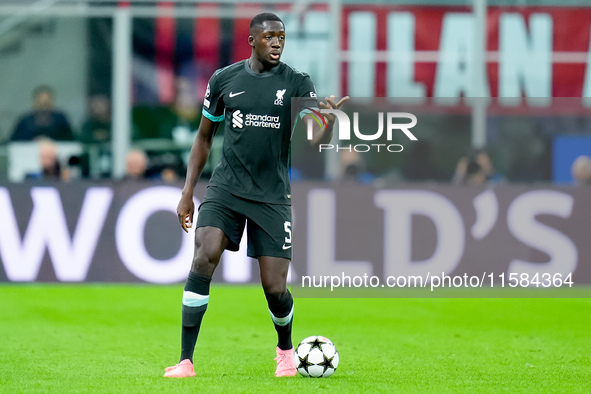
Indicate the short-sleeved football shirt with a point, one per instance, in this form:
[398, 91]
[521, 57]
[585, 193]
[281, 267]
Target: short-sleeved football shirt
[256, 108]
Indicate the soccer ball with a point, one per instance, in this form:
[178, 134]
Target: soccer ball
[316, 357]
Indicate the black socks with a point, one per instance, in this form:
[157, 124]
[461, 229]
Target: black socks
[281, 308]
[195, 300]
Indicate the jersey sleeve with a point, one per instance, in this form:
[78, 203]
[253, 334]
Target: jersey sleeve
[213, 104]
[306, 88]
[308, 99]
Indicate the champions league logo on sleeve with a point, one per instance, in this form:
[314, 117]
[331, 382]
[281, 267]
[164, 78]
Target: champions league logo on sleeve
[206, 102]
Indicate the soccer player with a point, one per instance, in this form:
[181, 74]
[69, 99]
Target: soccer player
[250, 185]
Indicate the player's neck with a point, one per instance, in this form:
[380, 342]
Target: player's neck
[257, 66]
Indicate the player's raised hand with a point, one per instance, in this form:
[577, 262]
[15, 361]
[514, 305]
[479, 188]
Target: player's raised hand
[330, 104]
[330, 101]
[185, 211]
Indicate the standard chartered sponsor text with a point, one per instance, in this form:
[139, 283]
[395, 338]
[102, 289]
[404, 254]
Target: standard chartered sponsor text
[262, 121]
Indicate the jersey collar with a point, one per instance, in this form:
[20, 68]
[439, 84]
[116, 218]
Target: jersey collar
[273, 71]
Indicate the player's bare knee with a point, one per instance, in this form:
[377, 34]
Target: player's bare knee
[209, 247]
[205, 261]
[275, 290]
[203, 264]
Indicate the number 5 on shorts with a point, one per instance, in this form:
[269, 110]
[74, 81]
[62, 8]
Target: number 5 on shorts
[287, 228]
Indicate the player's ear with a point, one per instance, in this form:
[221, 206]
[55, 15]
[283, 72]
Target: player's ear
[251, 40]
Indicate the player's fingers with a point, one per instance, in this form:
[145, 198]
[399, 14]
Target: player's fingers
[183, 224]
[331, 102]
[341, 101]
[337, 105]
[184, 221]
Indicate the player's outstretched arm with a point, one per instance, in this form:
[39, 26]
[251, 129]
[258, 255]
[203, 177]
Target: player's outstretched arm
[322, 134]
[197, 160]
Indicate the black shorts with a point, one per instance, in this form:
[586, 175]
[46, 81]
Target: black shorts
[268, 226]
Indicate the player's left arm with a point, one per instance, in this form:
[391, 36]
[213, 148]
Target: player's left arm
[322, 132]
[322, 124]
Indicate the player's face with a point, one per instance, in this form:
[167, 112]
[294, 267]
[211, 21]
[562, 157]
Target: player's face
[268, 42]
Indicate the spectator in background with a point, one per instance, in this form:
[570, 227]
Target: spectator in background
[469, 172]
[352, 168]
[97, 127]
[169, 175]
[44, 120]
[96, 130]
[476, 169]
[136, 164]
[165, 167]
[176, 120]
[581, 170]
[186, 108]
[51, 168]
[483, 159]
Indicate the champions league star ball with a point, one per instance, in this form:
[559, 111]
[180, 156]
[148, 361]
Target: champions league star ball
[316, 357]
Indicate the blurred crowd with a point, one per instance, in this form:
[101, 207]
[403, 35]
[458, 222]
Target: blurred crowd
[48, 126]
[441, 156]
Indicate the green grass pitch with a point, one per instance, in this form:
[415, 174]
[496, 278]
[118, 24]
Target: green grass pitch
[119, 338]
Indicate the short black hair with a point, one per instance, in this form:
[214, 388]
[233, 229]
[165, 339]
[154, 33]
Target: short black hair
[259, 19]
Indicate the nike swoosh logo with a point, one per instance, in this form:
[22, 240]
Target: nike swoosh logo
[285, 247]
[236, 94]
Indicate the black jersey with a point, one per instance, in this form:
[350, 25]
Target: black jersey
[256, 108]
